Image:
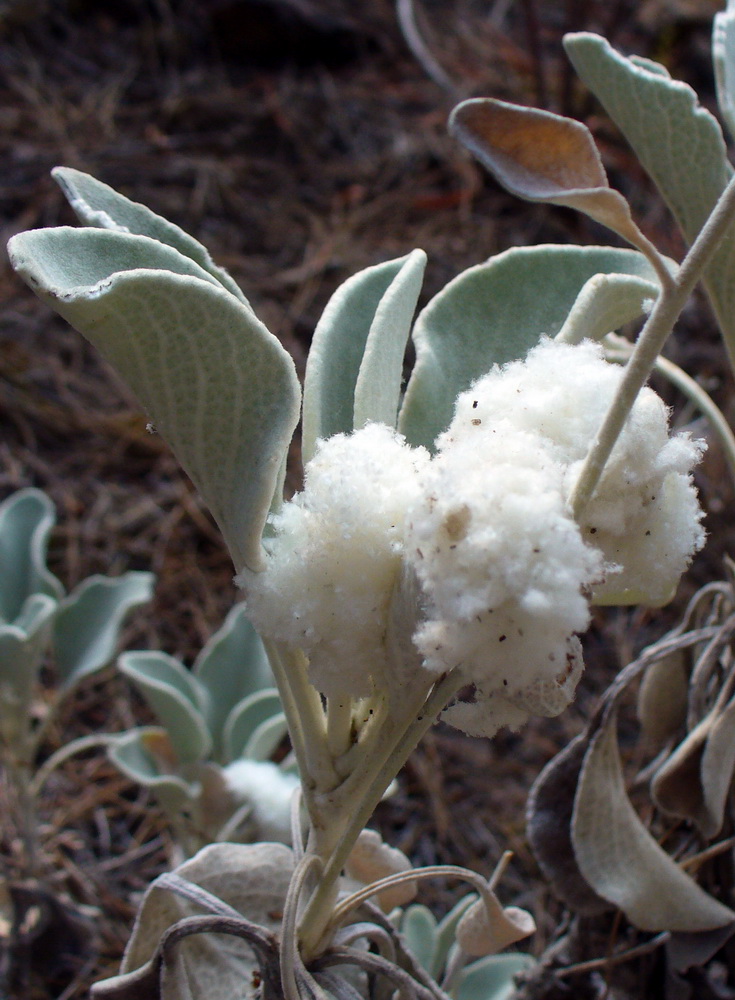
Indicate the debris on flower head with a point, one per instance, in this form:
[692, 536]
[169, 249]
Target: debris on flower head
[480, 540]
[506, 570]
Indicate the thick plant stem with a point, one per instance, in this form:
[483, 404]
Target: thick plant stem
[304, 715]
[659, 325]
[362, 792]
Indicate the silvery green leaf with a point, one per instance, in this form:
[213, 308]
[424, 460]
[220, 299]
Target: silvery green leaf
[26, 520]
[245, 718]
[146, 757]
[622, 861]
[493, 977]
[217, 385]
[605, 303]
[97, 204]
[378, 386]
[266, 738]
[175, 696]
[418, 927]
[355, 329]
[22, 648]
[252, 879]
[494, 313]
[723, 57]
[679, 143]
[87, 625]
[231, 666]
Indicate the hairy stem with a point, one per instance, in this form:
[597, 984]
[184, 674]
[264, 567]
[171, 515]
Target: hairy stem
[665, 312]
[362, 792]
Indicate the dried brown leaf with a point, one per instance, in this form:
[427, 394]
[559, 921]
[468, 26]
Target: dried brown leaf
[540, 156]
[622, 861]
[548, 826]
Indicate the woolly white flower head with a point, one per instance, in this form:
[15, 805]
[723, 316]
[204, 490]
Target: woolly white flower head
[477, 544]
[506, 570]
[335, 555]
[644, 515]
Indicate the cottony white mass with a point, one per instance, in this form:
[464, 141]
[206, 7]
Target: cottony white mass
[481, 539]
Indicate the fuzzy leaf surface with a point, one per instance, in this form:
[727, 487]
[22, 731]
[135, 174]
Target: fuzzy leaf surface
[145, 755]
[492, 978]
[548, 827]
[97, 204]
[723, 57]
[87, 625]
[26, 520]
[23, 646]
[678, 142]
[540, 156]
[232, 665]
[622, 861]
[378, 386]
[175, 696]
[251, 878]
[355, 324]
[245, 718]
[217, 385]
[605, 303]
[494, 313]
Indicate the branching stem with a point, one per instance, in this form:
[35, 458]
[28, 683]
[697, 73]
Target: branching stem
[664, 314]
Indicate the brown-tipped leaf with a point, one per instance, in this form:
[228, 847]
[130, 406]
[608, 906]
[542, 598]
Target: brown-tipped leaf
[541, 156]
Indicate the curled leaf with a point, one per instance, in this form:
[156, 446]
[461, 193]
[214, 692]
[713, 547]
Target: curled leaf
[371, 859]
[662, 698]
[622, 861]
[540, 156]
[548, 826]
[487, 927]
[694, 781]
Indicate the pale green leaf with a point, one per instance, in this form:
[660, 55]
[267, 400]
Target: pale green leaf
[622, 861]
[217, 385]
[340, 342]
[244, 720]
[605, 303]
[97, 204]
[679, 143]
[418, 927]
[723, 57]
[134, 753]
[26, 520]
[175, 696]
[232, 665]
[494, 313]
[493, 978]
[378, 386]
[266, 739]
[87, 625]
[23, 646]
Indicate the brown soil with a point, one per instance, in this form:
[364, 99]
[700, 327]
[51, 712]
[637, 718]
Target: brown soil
[300, 140]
